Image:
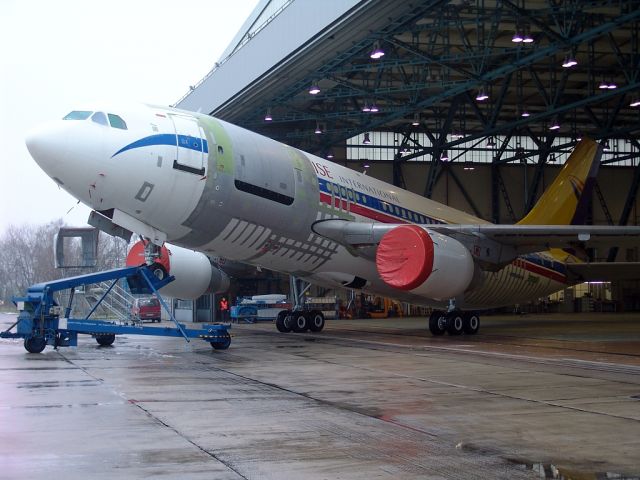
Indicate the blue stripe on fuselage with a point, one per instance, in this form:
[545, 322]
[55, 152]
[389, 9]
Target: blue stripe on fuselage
[374, 203]
[184, 141]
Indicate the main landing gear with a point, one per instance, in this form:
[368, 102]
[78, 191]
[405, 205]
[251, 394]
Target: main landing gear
[300, 321]
[454, 323]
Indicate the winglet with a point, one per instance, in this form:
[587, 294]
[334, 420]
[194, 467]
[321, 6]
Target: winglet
[566, 200]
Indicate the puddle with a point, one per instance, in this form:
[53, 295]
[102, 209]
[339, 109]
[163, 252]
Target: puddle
[548, 471]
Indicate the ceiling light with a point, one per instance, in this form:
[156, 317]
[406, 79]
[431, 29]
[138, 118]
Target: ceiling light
[457, 135]
[552, 157]
[367, 139]
[416, 119]
[527, 38]
[525, 113]
[314, 89]
[366, 108]
[329, 156]
[469, 166]
[605, 146]
[377, 52]
[482, 96]
[366, 164]
[569, 62]
[517, 38]
[444, 157]
[612, 86]
[318, 130]
[603, 85]
[491, 142]
[267, 116]
[374, 108]
[635, 102]
[554, 125]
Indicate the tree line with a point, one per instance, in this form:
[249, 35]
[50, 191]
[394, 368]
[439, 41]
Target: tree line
[27, 257]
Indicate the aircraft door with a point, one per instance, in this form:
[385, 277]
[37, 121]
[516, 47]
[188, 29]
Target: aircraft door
[190, 149]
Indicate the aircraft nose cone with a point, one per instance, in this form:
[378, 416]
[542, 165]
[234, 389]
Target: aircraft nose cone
[48, 147]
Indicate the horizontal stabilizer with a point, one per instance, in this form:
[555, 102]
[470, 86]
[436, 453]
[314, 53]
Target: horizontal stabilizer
[603, 271]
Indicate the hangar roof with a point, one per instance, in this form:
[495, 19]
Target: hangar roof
[438, 57]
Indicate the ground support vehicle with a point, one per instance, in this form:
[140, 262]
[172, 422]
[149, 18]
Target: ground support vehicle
[43, 322]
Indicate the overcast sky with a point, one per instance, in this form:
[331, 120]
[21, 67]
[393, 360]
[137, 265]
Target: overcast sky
[57, 54]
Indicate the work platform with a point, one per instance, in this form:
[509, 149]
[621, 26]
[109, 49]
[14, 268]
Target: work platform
[42, 321]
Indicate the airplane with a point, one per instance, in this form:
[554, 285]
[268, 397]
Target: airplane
[195, 187]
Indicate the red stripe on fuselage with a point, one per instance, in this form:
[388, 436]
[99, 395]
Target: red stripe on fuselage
[543, 271]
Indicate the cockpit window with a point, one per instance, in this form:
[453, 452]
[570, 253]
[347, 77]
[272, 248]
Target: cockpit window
[116, 121]
[100, 118]
[77, 115]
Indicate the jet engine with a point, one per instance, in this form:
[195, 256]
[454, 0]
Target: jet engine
[194, 272]
[424, 262]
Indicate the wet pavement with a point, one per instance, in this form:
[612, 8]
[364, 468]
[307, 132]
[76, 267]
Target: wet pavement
[532, 397]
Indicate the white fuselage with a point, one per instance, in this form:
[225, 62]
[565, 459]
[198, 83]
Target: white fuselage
[223, 190]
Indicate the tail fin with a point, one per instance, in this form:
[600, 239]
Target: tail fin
[566, 200]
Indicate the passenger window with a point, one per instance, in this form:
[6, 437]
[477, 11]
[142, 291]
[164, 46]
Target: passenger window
[77, 115]
[100, 118]
[117, 122]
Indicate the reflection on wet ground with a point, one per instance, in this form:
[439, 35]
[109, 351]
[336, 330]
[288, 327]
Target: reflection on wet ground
[543, 398]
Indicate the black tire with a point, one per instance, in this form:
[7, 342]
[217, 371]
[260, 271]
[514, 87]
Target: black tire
[316, 321]
[455, 323]
[223, 343]
[471, 323]
[106, 340]
[437, 323]
[282, 324]
[35, 344]
[300, 322]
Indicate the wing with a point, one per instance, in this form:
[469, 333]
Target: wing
[488, 243]
[522, 238]
[536, 238]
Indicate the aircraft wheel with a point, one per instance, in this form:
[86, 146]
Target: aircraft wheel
[471, 323]
[106, 340]
[316, 321]
[223, 343]
[283, 321]
[35, 344]
[158, 271]
[437, 323]
[455, 324]
[300, 323]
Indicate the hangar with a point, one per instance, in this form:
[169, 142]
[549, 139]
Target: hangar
[472, 104]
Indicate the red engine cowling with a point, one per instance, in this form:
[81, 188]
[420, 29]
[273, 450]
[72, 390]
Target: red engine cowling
[194, 272]
[424, 262]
